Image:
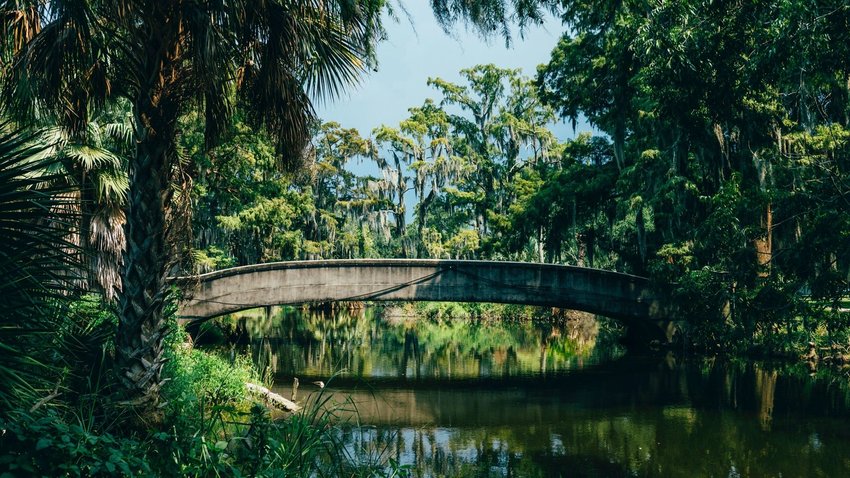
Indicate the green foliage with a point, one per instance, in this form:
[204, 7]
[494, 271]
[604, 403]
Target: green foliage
[212, 427]
[712, 115]
[249, 212]
[38, 260]
[719, 167]
[493, 17]
[200, 380]
[212, 258]
[444, 311]
[73, 59]
[48, 445]
[461, 169]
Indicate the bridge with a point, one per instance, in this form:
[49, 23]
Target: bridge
[620, 296]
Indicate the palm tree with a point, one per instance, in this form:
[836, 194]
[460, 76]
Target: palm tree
[495, 17]
[70, 57]
[96, 167]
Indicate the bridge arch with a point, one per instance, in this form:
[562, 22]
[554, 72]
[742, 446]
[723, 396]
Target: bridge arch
[620, 296]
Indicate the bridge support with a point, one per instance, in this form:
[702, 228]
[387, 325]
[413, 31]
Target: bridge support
[641, 334]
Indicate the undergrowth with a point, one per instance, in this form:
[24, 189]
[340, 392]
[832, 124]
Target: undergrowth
[212, 426]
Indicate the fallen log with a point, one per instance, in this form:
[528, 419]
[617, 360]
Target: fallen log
[273, 398]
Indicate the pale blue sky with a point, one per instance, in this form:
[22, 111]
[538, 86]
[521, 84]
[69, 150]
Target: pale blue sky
[412, 53]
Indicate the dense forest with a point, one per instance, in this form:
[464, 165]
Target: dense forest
[144, 140]
[718, 168]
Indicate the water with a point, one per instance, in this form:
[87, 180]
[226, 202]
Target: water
[461, 398]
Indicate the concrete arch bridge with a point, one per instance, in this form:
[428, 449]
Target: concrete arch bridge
[625, 297]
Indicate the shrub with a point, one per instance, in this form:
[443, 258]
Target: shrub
[50, 446]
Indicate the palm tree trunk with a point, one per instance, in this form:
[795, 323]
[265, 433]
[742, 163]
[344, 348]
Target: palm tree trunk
[141, 326]
[141, 322]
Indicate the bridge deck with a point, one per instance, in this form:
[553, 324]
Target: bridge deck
[612, 294]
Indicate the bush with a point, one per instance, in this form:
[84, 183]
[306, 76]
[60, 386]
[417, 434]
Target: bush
[50, 446]
[199, 380]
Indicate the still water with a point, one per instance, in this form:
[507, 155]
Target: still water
[471, 398]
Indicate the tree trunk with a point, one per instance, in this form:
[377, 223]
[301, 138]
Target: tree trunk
[88, 248]
[401, 187]
[141, 325]
[764, 244]
[400, 211]
[540, 251]
[620, 140]
[581, 250]
[141, 322]
[420, 222]
[641, 234]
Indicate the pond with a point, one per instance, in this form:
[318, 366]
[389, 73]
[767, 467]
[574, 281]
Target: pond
[462, 397]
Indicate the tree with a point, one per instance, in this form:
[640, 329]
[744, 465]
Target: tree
[72, 57]
[729, 127]
[567, 209]
[340, 197]
[421, 143]
[96, 167]
[502, 127]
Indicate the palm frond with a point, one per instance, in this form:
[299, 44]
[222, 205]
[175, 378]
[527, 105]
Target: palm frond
[494, 17]
[163, 57]
[111, 186]
[297, 50]
[20, 23]
[91, 158]
[121, 133]
[37, 263]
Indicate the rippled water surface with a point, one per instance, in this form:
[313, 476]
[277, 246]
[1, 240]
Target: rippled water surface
[470, 398]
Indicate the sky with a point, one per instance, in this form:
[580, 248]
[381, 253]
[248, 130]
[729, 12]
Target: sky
[418, 48]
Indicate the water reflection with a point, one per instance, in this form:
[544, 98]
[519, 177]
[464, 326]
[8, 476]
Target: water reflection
[493, 399]
[632, 417]
[379, 344]
[668, 442]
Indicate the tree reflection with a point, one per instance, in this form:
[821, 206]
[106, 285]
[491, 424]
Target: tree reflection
[479, 398]
[362, 341]
[663, 418]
